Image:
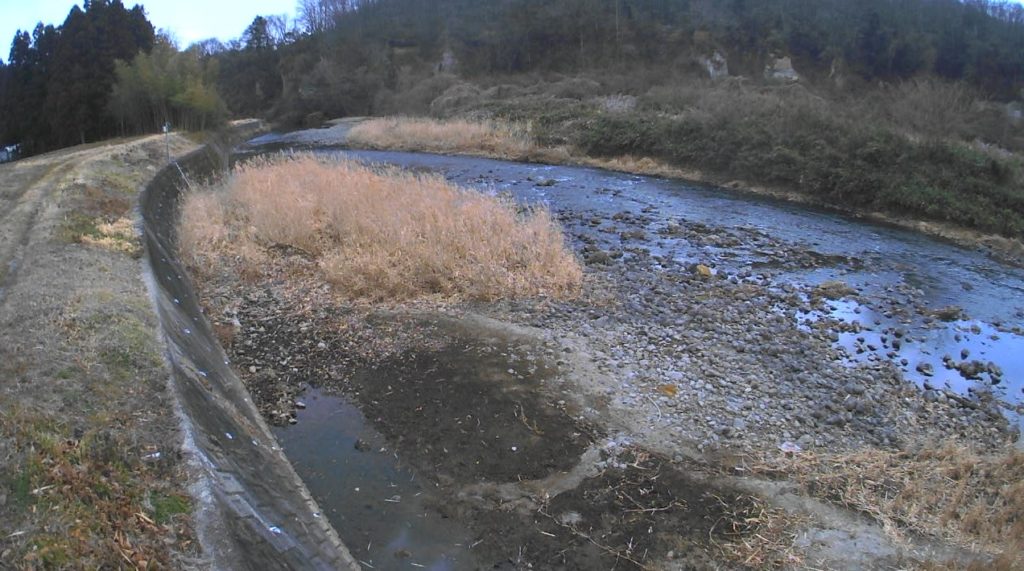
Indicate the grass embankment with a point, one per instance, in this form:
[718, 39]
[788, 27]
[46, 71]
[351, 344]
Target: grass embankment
[86, 498]
[378, 233]
[912, 152]
[90, 455]
[949, 492]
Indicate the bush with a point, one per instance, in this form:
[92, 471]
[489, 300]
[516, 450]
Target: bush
[380, 234]
[800, 142]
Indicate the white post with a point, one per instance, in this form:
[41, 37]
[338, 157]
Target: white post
[167, 139]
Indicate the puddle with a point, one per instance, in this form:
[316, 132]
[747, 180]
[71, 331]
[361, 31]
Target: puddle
[456, 405]
[375, 502]
[637, 504]
[454, 452]
[966, 357]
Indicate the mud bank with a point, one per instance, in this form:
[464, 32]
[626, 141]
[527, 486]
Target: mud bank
[254, 512]
[456, 442]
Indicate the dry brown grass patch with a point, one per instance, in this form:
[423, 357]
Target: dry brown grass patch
[950, 491]
[84, 501]
[760, 536]
[461, 136]
[379, 233]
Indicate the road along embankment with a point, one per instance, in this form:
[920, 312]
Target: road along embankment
[254, 512]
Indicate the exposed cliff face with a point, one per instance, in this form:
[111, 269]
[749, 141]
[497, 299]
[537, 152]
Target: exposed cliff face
[780, 69]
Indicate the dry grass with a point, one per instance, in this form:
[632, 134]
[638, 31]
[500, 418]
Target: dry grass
[487, 137]
[379, 234]
[85, 501]
[950, 492]
[759, 536]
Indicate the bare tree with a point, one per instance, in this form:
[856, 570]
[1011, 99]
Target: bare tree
[318, 15]
[278, 28]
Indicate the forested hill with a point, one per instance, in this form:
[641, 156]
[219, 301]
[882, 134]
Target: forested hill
[355, 49]
[980, 41]
[63, 85]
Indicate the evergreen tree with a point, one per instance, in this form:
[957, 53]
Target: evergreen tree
[59, 79]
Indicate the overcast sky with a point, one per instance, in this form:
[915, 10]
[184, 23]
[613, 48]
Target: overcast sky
[188, 20]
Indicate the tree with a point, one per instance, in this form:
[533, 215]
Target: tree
[166, 85]
[60, 78]
[257, 36]
[318, 16]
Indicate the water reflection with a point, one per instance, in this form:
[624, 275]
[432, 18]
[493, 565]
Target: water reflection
[376, 504]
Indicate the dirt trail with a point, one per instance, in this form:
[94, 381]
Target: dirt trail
[24, 189]
[90, 470]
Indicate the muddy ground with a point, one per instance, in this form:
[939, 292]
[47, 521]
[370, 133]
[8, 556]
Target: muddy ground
[485, 414]
[90, 470]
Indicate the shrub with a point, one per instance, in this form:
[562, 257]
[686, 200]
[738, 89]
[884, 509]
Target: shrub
[380, 233]
[798, 142]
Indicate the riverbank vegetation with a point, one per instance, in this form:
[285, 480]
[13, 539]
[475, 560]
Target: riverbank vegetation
[880, 154]
[379, 234]
[461, 136]
[909, 110]
[949, 491]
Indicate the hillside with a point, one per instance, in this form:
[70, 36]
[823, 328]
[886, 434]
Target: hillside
[904, 108]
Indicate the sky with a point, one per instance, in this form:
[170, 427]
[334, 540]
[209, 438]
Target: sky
[188, 20]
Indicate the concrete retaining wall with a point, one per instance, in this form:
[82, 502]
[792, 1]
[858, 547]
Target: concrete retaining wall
[254, 511]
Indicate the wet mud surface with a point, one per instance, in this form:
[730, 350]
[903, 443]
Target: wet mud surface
[457, 446]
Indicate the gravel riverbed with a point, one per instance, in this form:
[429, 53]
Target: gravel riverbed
[686, 356]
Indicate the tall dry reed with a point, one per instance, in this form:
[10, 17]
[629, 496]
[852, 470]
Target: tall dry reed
[380, 233]
[486, 137]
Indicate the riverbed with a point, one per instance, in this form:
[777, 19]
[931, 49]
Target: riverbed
[712, 323]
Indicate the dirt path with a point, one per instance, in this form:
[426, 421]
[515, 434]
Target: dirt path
[24, 189]
[90, 470]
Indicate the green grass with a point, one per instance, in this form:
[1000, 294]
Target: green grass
[68, 373]
[20, 486]
[166, 506]
[119, 182]
[91, 490]
[51, 552]
[77, 226]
